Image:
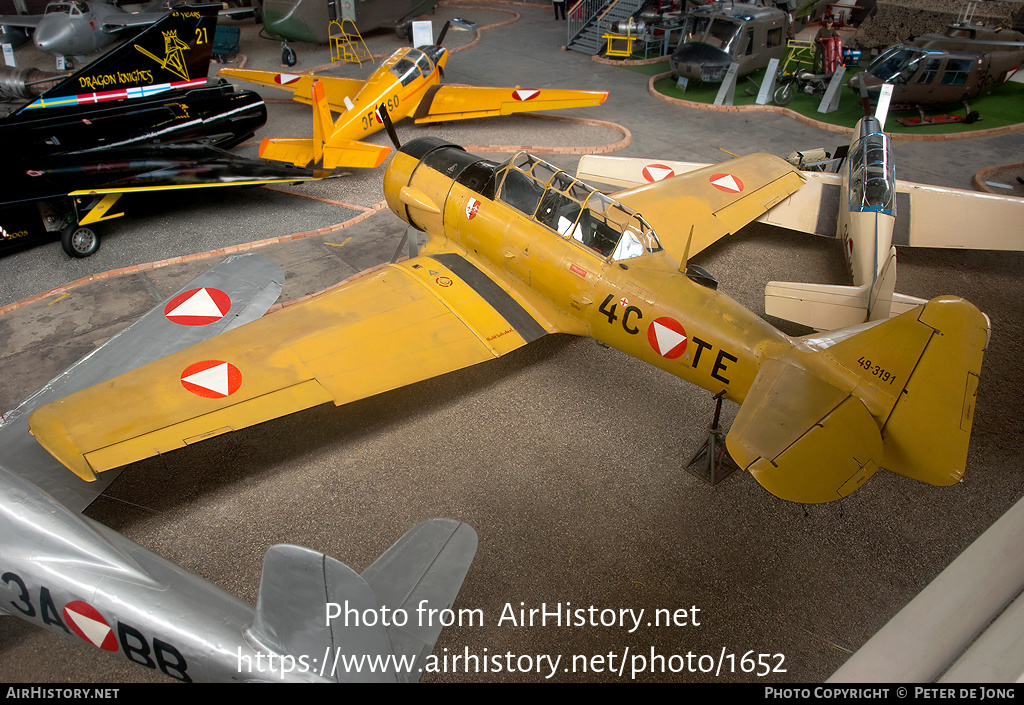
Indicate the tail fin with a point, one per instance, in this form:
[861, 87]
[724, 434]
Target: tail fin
[818, 423]
[333, 151]
[174, 53]
[425, 567]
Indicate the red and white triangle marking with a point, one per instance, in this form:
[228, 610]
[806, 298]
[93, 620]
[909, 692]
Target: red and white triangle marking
[285, 78]
[657, 172]
[198, 307]
[667, 337]
[525, 94]
[212, 379]
[727, 183]
[85, 621]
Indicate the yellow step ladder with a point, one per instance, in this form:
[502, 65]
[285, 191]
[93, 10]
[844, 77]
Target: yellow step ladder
[345, 45]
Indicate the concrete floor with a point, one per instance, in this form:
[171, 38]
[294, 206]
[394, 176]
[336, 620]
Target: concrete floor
[565, 457]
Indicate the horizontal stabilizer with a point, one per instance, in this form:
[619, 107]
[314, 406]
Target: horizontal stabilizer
[297, 151]
[929, 361]
[826, 306]
[315, 606]
[300, 85]
[903, 399]
[341, 153]
[803, 439]
[425, 568]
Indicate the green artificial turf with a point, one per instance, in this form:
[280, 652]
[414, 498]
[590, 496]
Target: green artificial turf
[1004, 106]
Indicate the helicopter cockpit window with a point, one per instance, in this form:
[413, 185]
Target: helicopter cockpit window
[723, 33]
[573, 209]
[896, 65]
[406, 71]
[872, 175]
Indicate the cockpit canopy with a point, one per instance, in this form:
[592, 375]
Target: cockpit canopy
[413, 65]
[718, 31]
[74, 8]
[872, 173]
[897, 64]
[573, 209]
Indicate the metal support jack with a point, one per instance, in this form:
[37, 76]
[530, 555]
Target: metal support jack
[710, 461]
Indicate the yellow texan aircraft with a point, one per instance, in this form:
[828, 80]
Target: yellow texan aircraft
[408, 83]
[519, 250]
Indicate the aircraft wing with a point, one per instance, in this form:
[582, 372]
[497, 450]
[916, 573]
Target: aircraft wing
[454, 102]
[238, 290]
[27, 21]
[712, 202]
[926, 216]
[811, 209]
[301, 85]
[405, 323]
[149, 168]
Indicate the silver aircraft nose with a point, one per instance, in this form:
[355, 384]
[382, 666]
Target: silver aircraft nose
[55, 35]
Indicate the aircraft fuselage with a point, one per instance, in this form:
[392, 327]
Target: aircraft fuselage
[75, 577]
[400, 84]
[638, 303]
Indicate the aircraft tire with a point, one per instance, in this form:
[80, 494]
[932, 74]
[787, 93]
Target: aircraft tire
[79, 241]
[784, 94]
[288, 57]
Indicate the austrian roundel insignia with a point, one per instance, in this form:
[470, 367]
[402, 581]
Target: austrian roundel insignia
[198, 307]
[657, 172]
[85, 621]
[211, 379]
[525, 94]
[667, 337]
[727, 183]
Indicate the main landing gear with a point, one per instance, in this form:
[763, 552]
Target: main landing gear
[79, 241]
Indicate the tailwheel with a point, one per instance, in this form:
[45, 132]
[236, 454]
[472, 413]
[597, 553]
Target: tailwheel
[79, 241]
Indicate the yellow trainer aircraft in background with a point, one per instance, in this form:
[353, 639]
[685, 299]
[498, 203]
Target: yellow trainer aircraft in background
[408, 83]
[521, 249]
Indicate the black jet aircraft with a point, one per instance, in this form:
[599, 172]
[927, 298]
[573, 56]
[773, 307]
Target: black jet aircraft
[140, 118]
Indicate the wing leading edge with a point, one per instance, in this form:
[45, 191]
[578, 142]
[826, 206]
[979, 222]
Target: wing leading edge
[406, 323]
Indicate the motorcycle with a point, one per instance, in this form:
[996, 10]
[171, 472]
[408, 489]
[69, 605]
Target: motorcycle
[802, 81]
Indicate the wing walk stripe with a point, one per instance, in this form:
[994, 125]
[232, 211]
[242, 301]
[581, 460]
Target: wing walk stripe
[499, 299]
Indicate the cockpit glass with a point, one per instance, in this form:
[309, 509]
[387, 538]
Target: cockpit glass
[722, 33]
[422, 61]
[872, 175]
[896, 65]
[57, 7]
[573, 209]
[406, 71]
